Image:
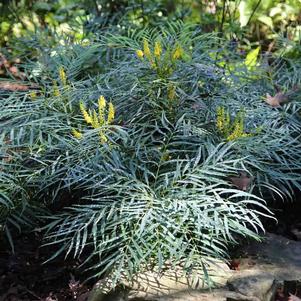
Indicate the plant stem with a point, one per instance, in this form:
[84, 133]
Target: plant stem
[223, 17]
[253, 12]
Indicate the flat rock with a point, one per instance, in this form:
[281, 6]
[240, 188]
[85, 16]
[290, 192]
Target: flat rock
[254, 283]
[277, 250]
[274, 260]
[150, 284]
[264, 266]
[276, 255]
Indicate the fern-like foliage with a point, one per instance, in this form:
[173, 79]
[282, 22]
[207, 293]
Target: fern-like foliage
[158, 189]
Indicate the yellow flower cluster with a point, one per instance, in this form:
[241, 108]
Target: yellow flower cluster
[157, 49]
[231, 130]
[97, 119]
[63, 77]
[178, 53]
[55, 91]
[162, 63]
[63, 80]
[223, 121]
[146, 49]
[171, 92]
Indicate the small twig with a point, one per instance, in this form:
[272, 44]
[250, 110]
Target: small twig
[223, 17]
[32, 293]
[253, 12]
[96, 8]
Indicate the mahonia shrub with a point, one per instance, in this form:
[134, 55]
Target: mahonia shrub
[164, 155]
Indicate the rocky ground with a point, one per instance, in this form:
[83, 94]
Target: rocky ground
[266, 271]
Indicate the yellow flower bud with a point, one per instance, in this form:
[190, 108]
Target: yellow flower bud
[158, 49]
[101, 107]
[220, 118]
[85, 114]
[111, 113]
[76, 134]
[146, 49]
[103, 138]
[171, 92]
[56, 91]
[101, 102]
[33, 95]
[178, 53]
[140, 53]
[63, 77]
[95, 121]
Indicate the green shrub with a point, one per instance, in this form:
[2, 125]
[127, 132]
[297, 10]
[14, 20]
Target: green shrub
[151, 178]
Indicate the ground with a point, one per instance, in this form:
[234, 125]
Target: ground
[23, 276]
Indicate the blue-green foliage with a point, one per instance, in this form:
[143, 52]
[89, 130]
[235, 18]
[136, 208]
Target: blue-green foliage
[160, 189]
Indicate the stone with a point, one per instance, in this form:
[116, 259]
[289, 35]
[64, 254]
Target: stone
[254, 283]
[150, 284]
[274, 260]
[277, 255]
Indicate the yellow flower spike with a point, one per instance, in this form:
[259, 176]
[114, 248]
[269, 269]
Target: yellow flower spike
[101, 118]
[95, 121]
[85, 114]
[56, 91]
[146, 49]
[101, 102]
[237, 133]
[158, 49]
[171, 92]
[227, 120]
[63, 77]
[178, 53]
[111, 113]
[103, 138]
[101, 106]
[140, 53]
[220, 118]
[77, 134]
[231, 130]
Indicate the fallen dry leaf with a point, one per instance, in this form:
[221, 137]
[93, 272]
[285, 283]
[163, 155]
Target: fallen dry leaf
[9, 67]
[16, 72]
[12, 86]
[234, 264]
[277, 100]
